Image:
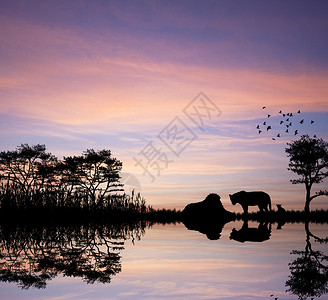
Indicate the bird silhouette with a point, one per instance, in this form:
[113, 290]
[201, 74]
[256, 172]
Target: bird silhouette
[287, 125]
[269, 127]
[280, 112]
[283, 115]
[260, 131]
[274, 139]
[263, 107]
[296, 132]
[264, 123]
[312, 121]
[315, 136]
[290, 124]
[299, 111]
[278, 135]
[258, 126]
[302, 121]
[287, 131]
[281, 122]
[288, 114]
[287, 120]
[291, 114]
[269, 116]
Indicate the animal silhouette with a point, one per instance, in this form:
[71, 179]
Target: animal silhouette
[281, 216]
[210, 207]
[286, 121]
[251, 234]
[245, 199]
[281, 210]
[207, 216]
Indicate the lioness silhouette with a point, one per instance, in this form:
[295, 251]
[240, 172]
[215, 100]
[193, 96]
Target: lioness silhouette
[245, 199]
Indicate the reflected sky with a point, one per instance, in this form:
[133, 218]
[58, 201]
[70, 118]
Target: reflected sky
[171, 262]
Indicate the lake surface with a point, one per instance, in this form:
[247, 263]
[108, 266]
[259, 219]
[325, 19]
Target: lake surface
[161, 262]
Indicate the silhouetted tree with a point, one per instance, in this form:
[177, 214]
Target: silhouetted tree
[29, 167]
[308, 157]
[309, 271]
[27, 171]
[94, 172]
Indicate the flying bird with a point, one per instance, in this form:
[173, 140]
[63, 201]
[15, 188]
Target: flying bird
[302, 121]
[287, 119]
[269, 116]
[315, 136]
[296, 132]
[260, 131]
[278, 135]
[263, 107]
[283, 115]
[274, 139]
[280, 112]
[287, 130]
[290, 124]
[312, 121]
[268, 128]
[299, 112]
[264, 123]
[258, 126]
[281, 122]
[291, 114]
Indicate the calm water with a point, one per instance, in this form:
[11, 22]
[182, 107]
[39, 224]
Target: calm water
[161, 262]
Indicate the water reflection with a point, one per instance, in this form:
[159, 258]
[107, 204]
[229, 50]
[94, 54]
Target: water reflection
[252, 234]
[210, 228]
[309, 271]
[31, 256]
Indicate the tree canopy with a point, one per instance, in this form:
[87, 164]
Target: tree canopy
[32, 177]
[308, 158]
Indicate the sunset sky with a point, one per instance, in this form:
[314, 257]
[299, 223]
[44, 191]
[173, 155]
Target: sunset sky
[135, 77]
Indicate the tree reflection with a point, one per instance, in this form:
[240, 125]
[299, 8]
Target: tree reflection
[309, 271]
[31, 256]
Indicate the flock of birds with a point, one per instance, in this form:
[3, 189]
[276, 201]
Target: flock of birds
[287, 124]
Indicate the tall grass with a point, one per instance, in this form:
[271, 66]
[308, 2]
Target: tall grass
[290, 216]
[64, 205]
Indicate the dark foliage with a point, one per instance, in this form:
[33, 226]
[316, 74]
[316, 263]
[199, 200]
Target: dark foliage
[34, 184]
[308, 158]
[309, 271]
[289, 216]
[32, 255]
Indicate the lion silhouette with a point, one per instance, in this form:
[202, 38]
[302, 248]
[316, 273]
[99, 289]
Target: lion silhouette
[207, 216]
